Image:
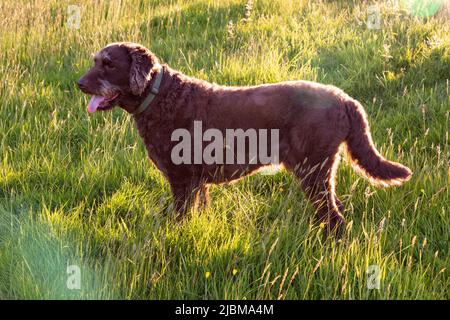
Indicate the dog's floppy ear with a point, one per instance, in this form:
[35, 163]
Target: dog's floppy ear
[142, 62]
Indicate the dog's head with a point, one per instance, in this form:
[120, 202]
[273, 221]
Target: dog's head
[120, 75]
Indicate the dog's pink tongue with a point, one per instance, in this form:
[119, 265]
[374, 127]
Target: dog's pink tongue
[94, 103]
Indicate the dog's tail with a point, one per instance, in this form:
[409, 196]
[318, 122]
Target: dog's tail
[363, 154]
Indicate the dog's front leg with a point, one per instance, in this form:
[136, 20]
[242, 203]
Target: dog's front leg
[202, 197]
[184, 195]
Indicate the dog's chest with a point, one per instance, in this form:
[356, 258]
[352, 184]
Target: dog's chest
[157, 143]
[158, 153]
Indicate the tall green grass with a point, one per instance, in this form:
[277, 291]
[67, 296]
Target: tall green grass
[78, 189]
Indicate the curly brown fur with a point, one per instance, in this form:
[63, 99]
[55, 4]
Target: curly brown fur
[314, 120]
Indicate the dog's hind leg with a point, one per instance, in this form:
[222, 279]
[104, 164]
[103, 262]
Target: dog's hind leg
[339, 204]
[318, 183]
[316, 175]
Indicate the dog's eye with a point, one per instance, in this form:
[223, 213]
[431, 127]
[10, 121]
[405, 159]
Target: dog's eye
[108, 64]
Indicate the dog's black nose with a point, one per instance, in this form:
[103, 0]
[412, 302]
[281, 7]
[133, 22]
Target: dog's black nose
[82, 84]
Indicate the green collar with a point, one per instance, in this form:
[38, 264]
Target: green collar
[153, 92]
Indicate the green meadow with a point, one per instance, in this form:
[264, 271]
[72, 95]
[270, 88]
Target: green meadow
[77, 191]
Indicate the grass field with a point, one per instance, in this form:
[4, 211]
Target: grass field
[78, 190]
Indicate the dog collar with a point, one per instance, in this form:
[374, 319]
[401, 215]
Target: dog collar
[153, 92]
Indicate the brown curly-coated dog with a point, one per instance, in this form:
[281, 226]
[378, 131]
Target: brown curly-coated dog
[313, 121]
